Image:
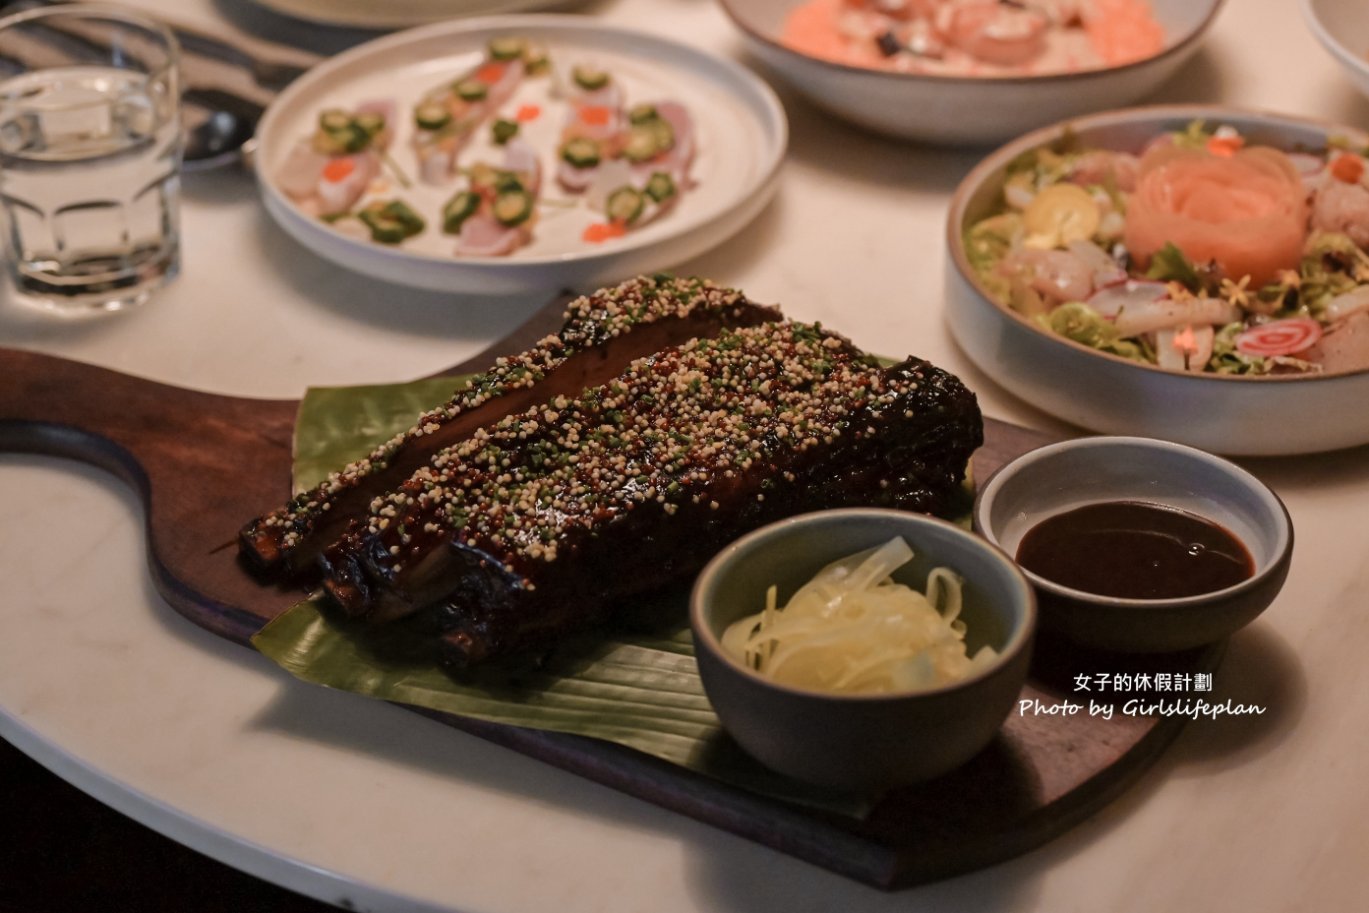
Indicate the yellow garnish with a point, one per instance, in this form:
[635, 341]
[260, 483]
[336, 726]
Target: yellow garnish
[1178, 291]
[1060, 214]
[1236, 292]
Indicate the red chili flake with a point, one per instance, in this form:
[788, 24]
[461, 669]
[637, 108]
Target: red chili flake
[338, 169]
[599, 232]
[1348, 168]
[595, 115]
[490, 73]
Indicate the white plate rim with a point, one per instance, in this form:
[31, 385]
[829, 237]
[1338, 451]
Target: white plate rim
[380, 14]
[482, 272]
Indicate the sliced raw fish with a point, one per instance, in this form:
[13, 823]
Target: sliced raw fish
[573, 179]
[438, 150]
[608, 177]
[608, 96]
[676, 160]
[483, 236]
[503, 87]
[1111, 300]
[600, 123]
[338, 193]
[299, 175]
[386, 108]
[520, 158]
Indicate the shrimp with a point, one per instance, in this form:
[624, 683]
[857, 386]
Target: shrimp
[1341, 207]
[894, 9]
[1123, 30]
[995, 33]
[1057, 275]
[1062, 12]
[1118, 170]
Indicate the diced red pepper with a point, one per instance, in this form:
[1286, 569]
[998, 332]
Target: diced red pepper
[1225, 146]
[599, 232]
[528, 113]
[595, 115]
[338, 169]
[1348, 168]
[491, 73]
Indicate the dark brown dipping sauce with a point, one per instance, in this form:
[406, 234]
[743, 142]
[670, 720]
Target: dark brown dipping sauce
[1135, 550]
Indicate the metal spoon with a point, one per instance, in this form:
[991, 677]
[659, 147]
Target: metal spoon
[219, 128]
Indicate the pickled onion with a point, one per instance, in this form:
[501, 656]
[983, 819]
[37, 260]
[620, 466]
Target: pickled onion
[852, 629]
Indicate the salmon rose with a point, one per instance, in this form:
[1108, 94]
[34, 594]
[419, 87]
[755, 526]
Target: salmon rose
[1246, 211]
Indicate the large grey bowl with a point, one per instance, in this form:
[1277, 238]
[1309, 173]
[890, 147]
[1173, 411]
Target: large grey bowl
[856, 742]
[966, 110]
[1230, 414]
[1060, 477]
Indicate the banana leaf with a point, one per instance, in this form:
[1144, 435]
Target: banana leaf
[336, 425]
[635, 684]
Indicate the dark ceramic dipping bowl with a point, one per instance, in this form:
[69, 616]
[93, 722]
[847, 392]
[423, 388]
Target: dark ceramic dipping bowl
[1063, 476]
[862, 742]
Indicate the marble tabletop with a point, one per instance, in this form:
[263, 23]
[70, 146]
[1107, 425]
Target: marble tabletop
[366, 805]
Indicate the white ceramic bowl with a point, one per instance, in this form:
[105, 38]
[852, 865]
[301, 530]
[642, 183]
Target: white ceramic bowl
[966, 110]
[1342, 26]
[1261, 416]
[863, 742]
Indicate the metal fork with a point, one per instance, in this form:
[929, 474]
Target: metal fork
[270, 66]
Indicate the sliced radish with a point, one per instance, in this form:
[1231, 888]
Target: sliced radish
[1111, 299]
[1148, 316]
[1106, 271]
[1279, 337]
[1347, 303]
[482, 236]
[1185, 348]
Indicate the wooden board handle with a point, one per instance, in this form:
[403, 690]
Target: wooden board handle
[52, 405]
[183, 451]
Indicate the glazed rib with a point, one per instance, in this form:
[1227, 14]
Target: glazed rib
[602, 334]
[535, 526]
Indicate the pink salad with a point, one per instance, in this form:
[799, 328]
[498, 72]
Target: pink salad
[1199, 252]
[976, 37]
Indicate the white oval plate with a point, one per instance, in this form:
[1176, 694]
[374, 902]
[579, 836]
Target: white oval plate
[740, 126]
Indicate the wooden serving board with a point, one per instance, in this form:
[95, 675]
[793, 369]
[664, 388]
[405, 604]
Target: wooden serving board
[205, 464]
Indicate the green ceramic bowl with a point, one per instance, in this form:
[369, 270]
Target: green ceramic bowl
[863, 743]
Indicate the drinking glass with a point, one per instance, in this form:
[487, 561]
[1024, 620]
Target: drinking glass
[90, 155]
